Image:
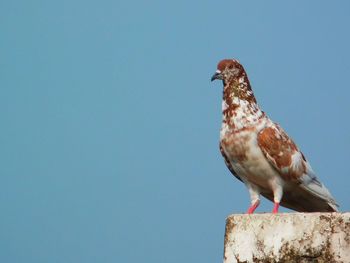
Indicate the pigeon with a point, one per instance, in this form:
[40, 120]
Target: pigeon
[259, 152]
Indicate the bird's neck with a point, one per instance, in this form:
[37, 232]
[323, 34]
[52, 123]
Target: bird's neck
[239, 106]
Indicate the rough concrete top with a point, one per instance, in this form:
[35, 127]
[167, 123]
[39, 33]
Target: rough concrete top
[289, 237]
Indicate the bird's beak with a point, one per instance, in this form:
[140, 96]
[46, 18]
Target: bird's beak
[217, 75]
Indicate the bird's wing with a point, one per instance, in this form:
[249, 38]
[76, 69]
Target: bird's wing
[228, 164]
[290, 163]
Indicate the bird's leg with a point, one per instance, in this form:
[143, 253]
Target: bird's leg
[277, 196]
[275, 208]
[254, 197]
[252, 208]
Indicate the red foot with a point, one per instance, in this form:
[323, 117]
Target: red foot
[252, 208]
[275, 208]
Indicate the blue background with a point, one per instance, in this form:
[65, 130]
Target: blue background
[110, 124]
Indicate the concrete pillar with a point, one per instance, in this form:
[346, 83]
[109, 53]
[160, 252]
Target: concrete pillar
[289, 237]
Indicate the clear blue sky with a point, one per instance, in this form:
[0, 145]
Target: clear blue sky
[110, 124]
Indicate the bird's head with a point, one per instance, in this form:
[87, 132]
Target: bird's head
[227, 70]
[235, 80]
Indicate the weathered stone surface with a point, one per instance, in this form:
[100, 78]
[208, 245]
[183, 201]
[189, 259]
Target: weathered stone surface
[290, 237]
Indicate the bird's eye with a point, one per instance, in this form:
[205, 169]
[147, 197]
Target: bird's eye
[230, 67]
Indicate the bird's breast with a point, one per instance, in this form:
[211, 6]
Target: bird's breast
[246, 157]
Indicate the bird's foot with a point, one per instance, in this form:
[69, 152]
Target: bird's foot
[275, 208]
[252, 208]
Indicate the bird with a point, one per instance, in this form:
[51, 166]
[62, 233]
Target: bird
[259, 153]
